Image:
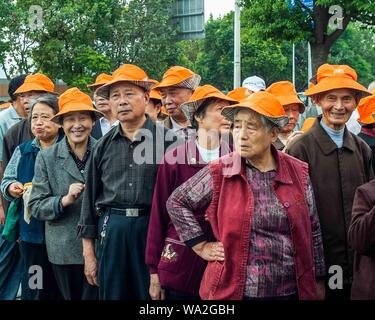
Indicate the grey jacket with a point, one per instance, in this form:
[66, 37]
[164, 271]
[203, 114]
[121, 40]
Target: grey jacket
[55, 171]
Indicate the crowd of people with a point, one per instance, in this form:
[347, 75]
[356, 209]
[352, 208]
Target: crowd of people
[174, 190]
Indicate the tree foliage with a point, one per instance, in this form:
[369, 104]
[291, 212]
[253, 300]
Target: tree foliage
[277, 20]
[80, 39]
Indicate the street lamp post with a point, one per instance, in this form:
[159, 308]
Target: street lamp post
[237, 45]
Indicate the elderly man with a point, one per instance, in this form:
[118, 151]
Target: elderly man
[293, 106]
[109, 120]
[119, 189]
[338, 161]
[261, 208]
[176, 87]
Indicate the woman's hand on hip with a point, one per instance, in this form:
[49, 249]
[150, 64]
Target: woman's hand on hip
[210, 251]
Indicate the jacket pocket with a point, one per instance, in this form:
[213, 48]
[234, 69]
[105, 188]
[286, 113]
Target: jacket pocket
[173, 254]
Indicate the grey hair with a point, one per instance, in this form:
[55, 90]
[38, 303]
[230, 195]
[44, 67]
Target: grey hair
[49, 99]
[267, 123]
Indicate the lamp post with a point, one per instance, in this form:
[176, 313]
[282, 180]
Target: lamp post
[237, 45]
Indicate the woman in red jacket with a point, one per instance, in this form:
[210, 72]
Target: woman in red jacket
[175, 270]
[261, 208]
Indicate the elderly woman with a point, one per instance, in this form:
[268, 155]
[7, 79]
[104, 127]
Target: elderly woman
[20, 172]
[175, 270]
[57, 185]
[293, 106]
[260, 206]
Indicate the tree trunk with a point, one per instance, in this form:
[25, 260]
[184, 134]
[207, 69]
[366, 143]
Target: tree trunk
[319, 54]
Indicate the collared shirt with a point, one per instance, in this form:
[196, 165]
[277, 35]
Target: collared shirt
[337, 136]
[122, 172]
[105, 125]
[8, 118]
[81, 164]
[185, 133]
[270, 268]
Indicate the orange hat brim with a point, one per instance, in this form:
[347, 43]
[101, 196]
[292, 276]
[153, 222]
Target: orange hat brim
[332, 83]
[176, 82]
[370, 119]
[291, 99]
[76, 107]
[145, 84]
[95, 86]
[27, 87]
[191, 107]
[228, 112]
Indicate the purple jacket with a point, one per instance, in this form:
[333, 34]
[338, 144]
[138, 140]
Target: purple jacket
[178, 267]
[361, 238]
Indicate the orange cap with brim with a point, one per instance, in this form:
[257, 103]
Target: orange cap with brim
[100, 80]
[74, 100]
[179, 77]
[331, 77]
[36, 82]
[307, 124]
[263, 103]
[240, 93]
[199, 96]
[127, 73]
[286, 93]
[366, 110]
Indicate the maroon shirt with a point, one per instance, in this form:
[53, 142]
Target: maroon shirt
[178, 267]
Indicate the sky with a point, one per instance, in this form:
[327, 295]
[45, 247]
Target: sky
[217, 7]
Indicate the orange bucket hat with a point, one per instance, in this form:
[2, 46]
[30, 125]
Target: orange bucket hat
[240, 93]
[286, 93]
[127, 73]
[179, 77]
[330, 77]
[73, 100]
[263, 103]
[36, 82]
[100, 80]
[366, 110]
[307, 124]
[199, 96]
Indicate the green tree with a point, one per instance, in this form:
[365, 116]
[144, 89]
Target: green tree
[356, 48]
[215, 59]
[16, 43]
[80, 39]
[276, 20]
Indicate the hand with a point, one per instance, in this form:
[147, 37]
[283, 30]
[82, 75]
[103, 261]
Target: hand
[156, 292]
[91, 270]
[321, 290]
[2, 215]
[74, 192]
[210, 251]
[294, 135]
[16, 190]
